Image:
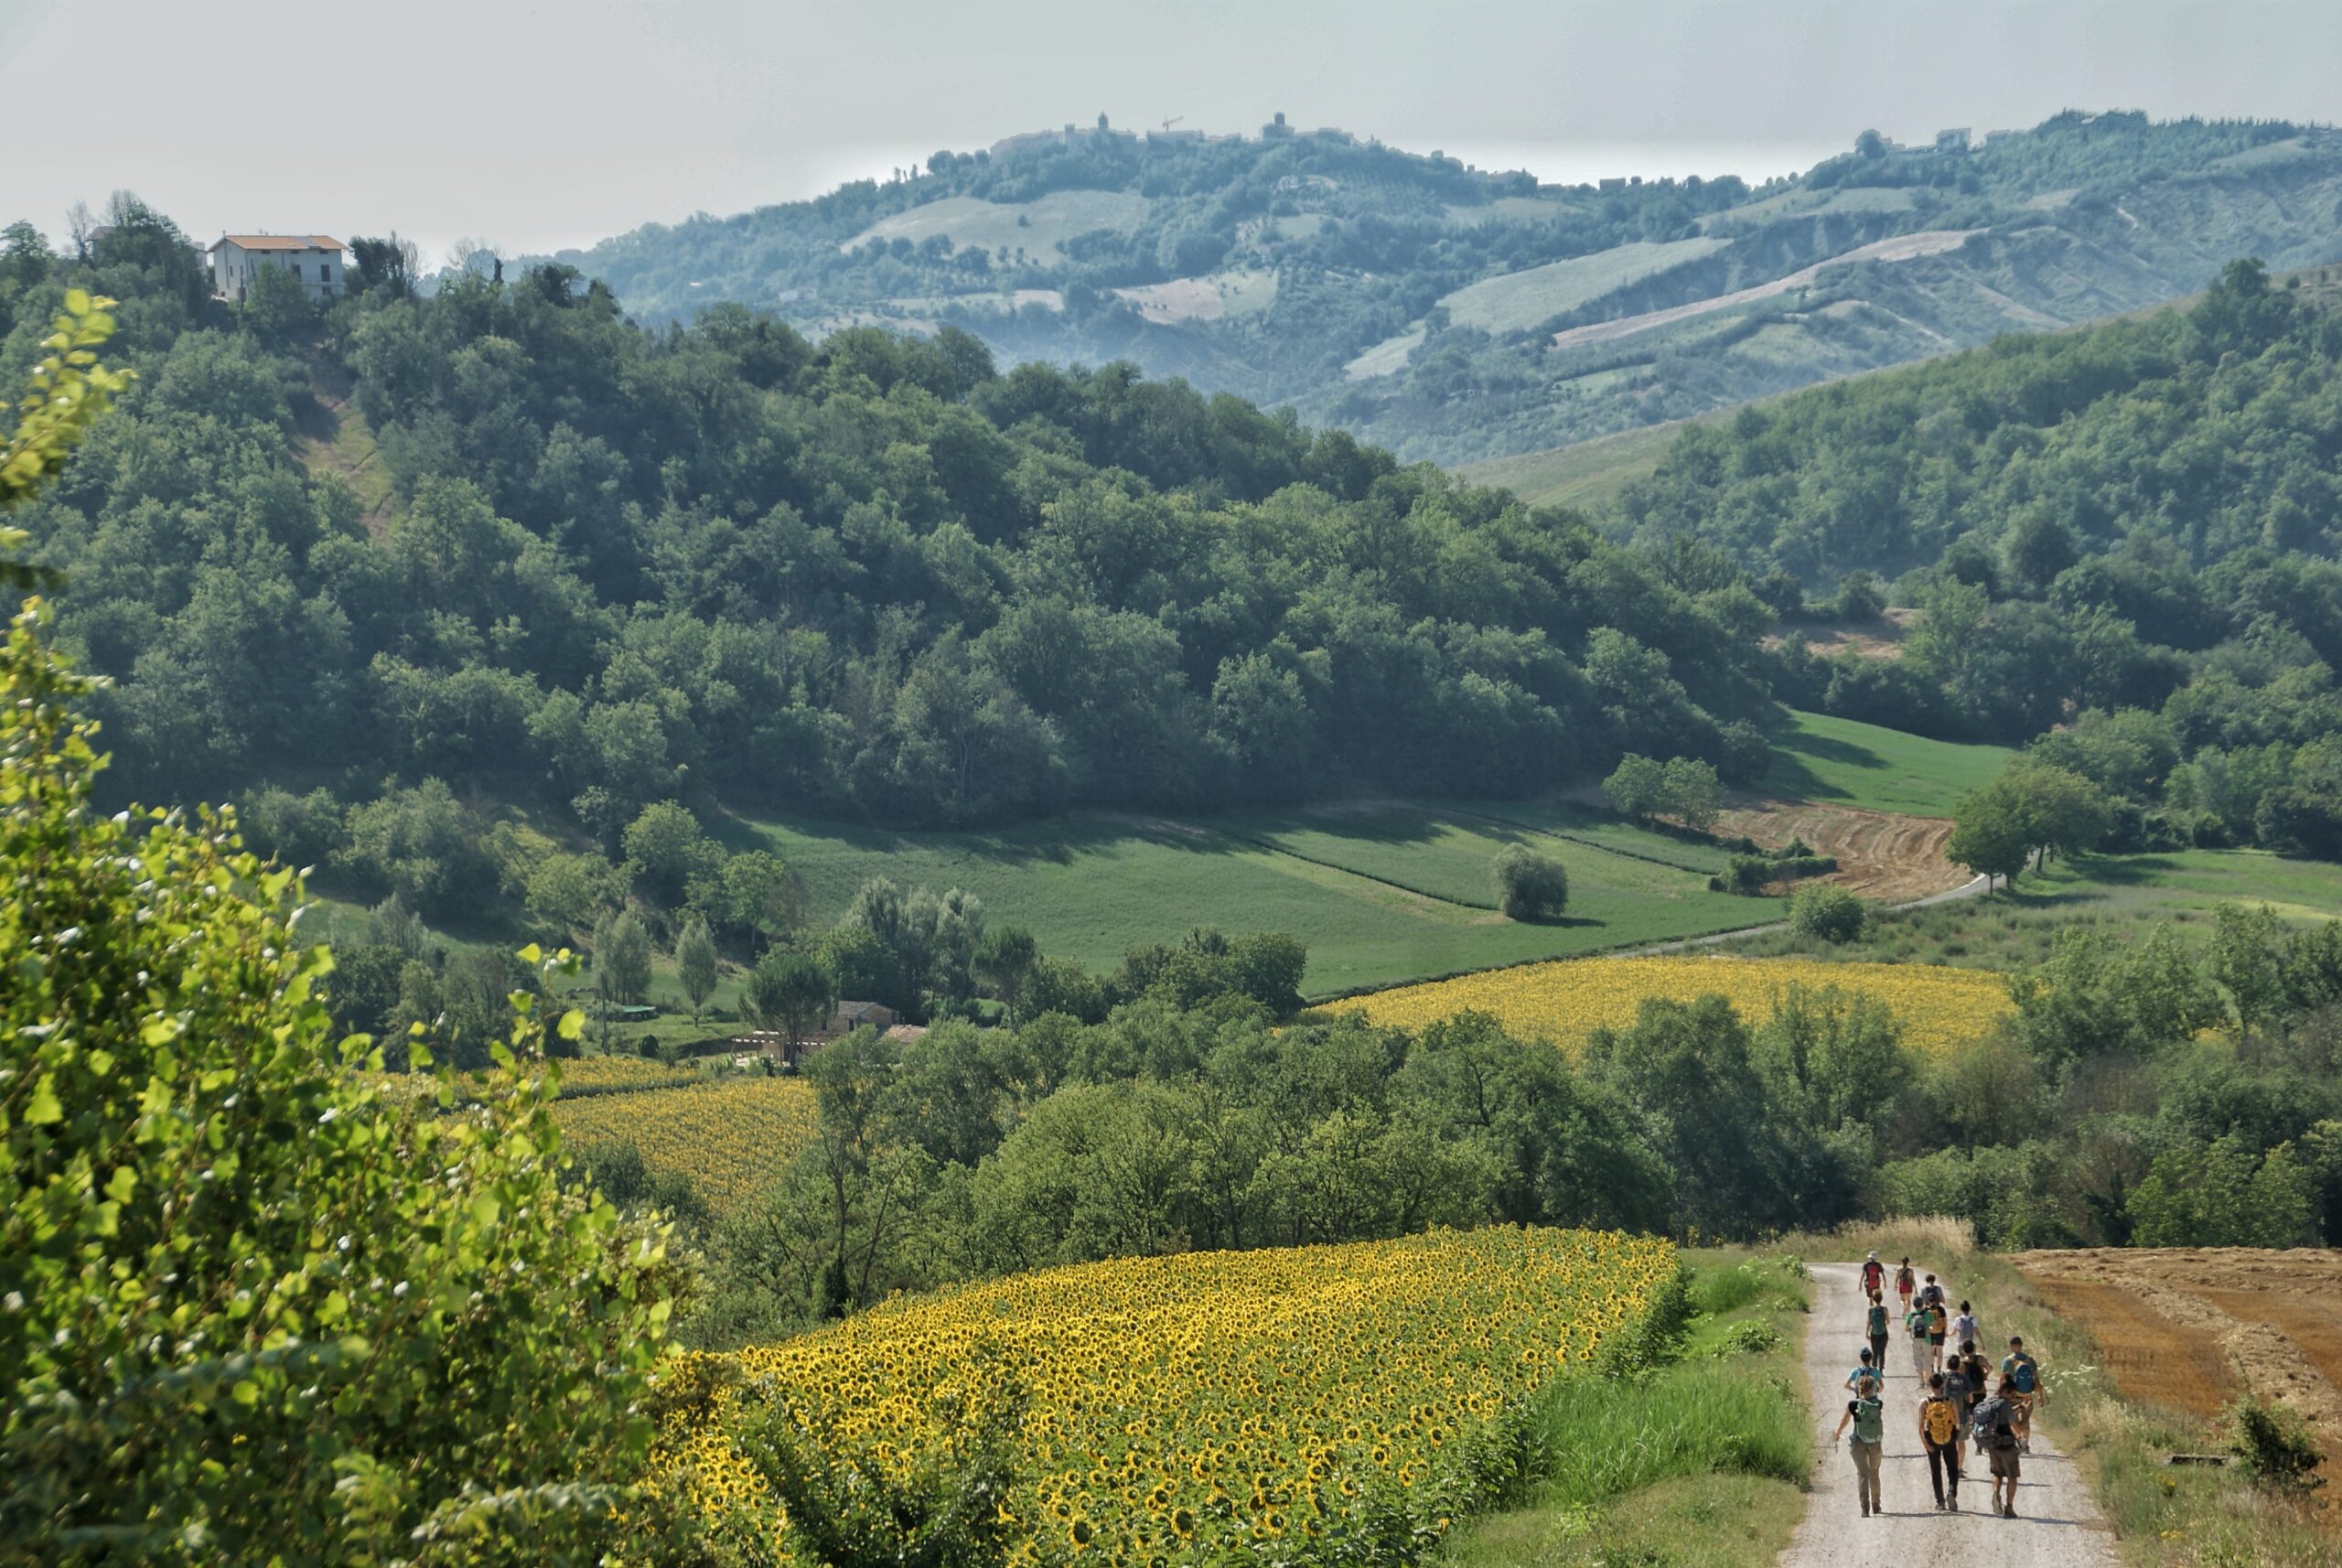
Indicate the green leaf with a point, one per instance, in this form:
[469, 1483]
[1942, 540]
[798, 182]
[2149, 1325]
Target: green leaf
[45, 1110]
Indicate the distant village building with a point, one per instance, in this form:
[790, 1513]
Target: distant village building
[236, 259]
[853, 1015]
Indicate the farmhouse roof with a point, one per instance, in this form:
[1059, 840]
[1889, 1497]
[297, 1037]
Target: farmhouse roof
[277, 242]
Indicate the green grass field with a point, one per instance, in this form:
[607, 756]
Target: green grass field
[1380, 895]
[1589, 474]
[1816, 757]
[2124, 895]
[1516, 302]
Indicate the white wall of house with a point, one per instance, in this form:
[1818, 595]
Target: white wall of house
[236, 259]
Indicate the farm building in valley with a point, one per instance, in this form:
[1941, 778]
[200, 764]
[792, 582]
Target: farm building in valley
[314, 260]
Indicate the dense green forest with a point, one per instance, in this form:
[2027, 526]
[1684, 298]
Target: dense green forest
[609, 566]
[1415, 301]
[2129, 533]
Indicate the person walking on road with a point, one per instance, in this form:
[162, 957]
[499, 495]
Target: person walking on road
[1904, 1281]
[1916, 1321]
[2021, 1374]
[1939, 1329]
[1994, 1428]
[1874, 1277]
[1874, 1329]
[1867, 1446]
[1965, 1328]
[1939, 1436]
[1869, 1371]
[1951, 1385]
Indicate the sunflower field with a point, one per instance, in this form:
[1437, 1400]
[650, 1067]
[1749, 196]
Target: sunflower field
[1939, 1008]
[732, 1136]
[1314, 1404]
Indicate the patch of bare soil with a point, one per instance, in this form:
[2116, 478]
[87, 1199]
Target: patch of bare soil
[1881, 638]
[1880, 855]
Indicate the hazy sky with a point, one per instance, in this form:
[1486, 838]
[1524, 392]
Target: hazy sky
[540, 126]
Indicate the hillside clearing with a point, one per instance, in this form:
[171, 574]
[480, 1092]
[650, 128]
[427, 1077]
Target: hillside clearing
[1845, 762]
[1035, 227]
[1901, 248]
[1516, 302]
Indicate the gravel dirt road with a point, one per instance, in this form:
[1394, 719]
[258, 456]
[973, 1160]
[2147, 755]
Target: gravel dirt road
[2058, 1524]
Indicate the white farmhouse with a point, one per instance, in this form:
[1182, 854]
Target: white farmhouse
[236, 259]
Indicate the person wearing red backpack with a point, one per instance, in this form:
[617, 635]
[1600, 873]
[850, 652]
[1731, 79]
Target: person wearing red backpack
[1874, 1277]
[1905, 1282]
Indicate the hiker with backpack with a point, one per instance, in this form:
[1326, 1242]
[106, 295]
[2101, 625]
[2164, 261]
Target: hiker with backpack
[1867, 1446]
[1959, 1393]
[1904, 1281]
[1939, 1436]
[1992, 1427]
[1939, 1329]
[1874, 1277]
[1869, 1371]
[2021, 1375]
[1965, 1328]
[1917, 1322]
[1874, 1329]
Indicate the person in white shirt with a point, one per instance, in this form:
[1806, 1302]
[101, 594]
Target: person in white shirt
[1965, 1328]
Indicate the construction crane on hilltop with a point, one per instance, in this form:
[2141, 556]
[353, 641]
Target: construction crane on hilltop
[1171, 121]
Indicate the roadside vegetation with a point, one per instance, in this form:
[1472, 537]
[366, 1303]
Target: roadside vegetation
[1699, 1454]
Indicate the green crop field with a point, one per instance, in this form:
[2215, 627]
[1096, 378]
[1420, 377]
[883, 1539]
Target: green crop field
[1519, 301]
[1588, 474]
[1816, 757]
[1092, 887]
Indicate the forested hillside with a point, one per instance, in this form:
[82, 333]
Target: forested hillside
[1454, 313]
[2129, 532]
[593, 566]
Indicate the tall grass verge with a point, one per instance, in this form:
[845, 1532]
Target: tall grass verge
[1693, 1450]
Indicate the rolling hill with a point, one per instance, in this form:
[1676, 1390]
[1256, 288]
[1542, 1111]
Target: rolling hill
[1459, 315]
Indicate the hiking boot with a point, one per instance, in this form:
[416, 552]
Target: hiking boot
[2008, 1510]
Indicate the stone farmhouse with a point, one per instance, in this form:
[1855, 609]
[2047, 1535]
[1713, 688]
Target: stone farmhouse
[236, 259]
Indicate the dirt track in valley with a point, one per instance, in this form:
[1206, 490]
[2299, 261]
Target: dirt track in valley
[1880, 855]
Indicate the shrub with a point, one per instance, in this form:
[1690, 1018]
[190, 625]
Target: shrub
[2279, 1449]
[1827, 911]
[1530, 885]
[254, 1312]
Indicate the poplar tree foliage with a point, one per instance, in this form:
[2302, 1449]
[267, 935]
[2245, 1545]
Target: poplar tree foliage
[248, 1311]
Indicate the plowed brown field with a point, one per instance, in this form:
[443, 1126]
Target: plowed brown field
[2149, 1357]
[2268, 1320]
[1880, 855]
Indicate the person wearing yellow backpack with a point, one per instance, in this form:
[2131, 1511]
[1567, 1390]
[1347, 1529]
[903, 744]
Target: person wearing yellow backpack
[1939, 1436]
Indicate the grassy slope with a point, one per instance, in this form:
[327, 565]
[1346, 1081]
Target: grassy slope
[2124, 893]
[1038, 226]
[1091, 887]
[1589, 474]
[1816, 757]
[1514, 302]
[1701, 1464]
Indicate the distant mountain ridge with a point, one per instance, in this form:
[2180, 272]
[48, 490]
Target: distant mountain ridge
[1455, 314]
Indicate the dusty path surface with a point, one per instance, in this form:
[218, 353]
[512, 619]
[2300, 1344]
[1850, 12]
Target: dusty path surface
[2057, 1524]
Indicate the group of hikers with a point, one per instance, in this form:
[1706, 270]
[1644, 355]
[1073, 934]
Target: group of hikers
[1961, 1405]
